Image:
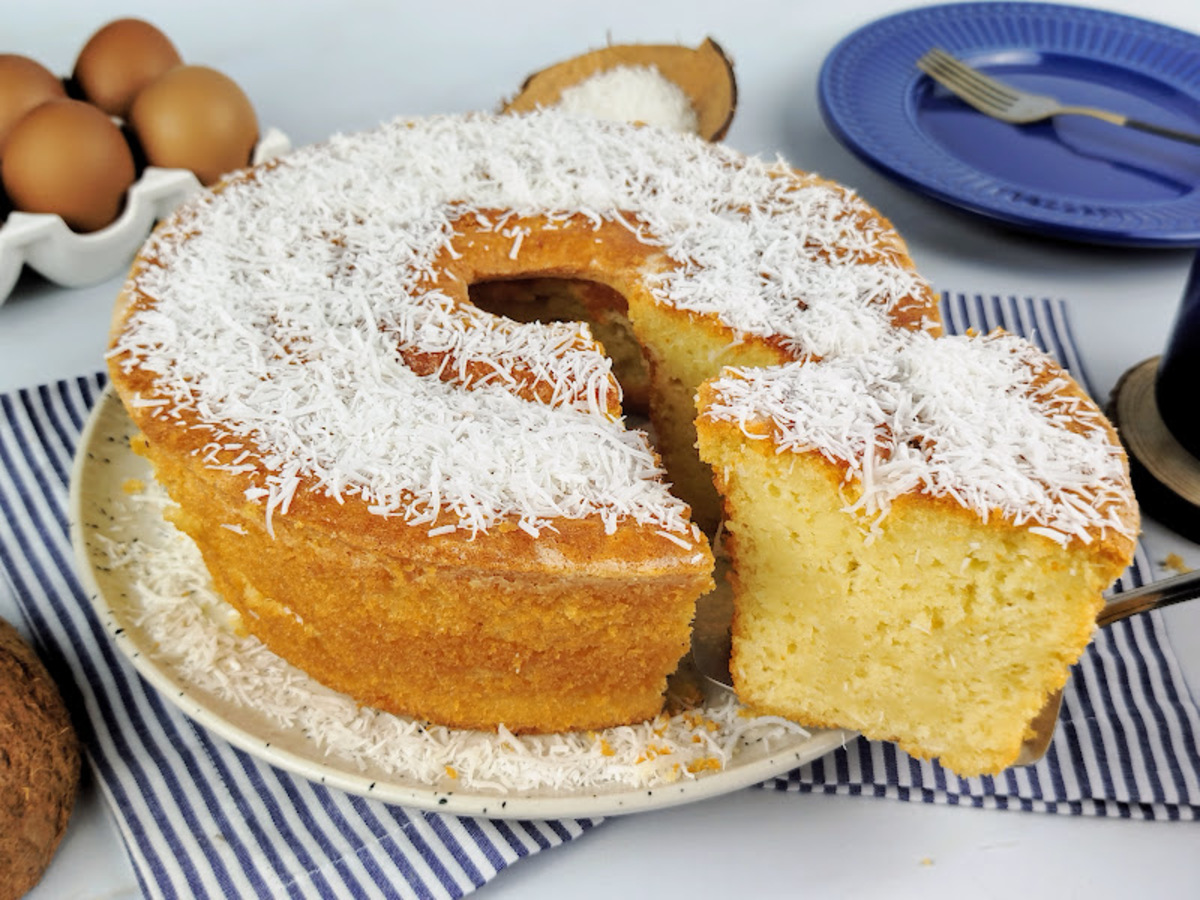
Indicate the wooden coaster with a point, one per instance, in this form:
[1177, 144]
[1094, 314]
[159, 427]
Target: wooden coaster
[1166, 477]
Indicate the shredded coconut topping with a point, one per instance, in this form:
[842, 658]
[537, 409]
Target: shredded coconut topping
[989, 422]
[285, 307]
[632, 94]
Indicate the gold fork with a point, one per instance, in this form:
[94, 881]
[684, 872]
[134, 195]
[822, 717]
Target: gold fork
[1009, 104]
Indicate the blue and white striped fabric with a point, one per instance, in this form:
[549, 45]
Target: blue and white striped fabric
[203, 819]
[200, 818]
[1127, 738]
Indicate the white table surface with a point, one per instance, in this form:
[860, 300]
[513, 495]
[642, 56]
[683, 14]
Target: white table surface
[324, 67]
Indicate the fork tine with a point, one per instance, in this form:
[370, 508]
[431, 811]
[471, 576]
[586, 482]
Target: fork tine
[982, 84]
[958, 78]
[955, 68]
[967, 90]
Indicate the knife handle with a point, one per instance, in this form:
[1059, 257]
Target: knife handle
[1162, 131]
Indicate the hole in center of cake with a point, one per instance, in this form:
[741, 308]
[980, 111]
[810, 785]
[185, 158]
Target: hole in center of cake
[576, 300]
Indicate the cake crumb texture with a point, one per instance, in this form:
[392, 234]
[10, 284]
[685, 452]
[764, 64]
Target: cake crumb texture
[917, 579]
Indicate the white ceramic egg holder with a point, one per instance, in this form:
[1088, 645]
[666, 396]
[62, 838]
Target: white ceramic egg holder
[46, 244]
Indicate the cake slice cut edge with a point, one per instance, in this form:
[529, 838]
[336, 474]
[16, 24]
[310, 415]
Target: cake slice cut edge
[889, 596]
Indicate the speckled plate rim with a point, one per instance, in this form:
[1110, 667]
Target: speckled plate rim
[868, 89]
[103, 464]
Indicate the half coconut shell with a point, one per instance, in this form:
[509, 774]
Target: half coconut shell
[704, 74]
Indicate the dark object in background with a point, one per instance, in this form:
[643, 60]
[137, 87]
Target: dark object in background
[1156, 408]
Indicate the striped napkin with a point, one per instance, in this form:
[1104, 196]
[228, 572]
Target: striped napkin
[201, 818]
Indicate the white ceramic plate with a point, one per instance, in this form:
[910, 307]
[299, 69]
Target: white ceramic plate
[100, 499]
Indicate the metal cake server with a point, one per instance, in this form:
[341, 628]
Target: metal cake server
[711, 644]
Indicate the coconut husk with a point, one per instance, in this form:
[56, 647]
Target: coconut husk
[39, 766]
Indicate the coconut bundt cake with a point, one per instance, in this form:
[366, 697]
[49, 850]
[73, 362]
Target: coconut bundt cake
[438, 510]
[920, 537]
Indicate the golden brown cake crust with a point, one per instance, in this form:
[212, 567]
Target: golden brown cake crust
[465, 630]
[405, 571]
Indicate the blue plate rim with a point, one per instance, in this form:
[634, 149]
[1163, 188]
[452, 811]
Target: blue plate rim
[940, 175]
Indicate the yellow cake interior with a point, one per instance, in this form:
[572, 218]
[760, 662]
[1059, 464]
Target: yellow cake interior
[927, 625]
[939, 634]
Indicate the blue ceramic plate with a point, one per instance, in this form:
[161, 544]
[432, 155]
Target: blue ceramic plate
[1072, 177]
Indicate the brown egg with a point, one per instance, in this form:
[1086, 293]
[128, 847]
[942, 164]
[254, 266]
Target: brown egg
[24, 84]
[193, 117]
[119, 60]
[67, 157]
